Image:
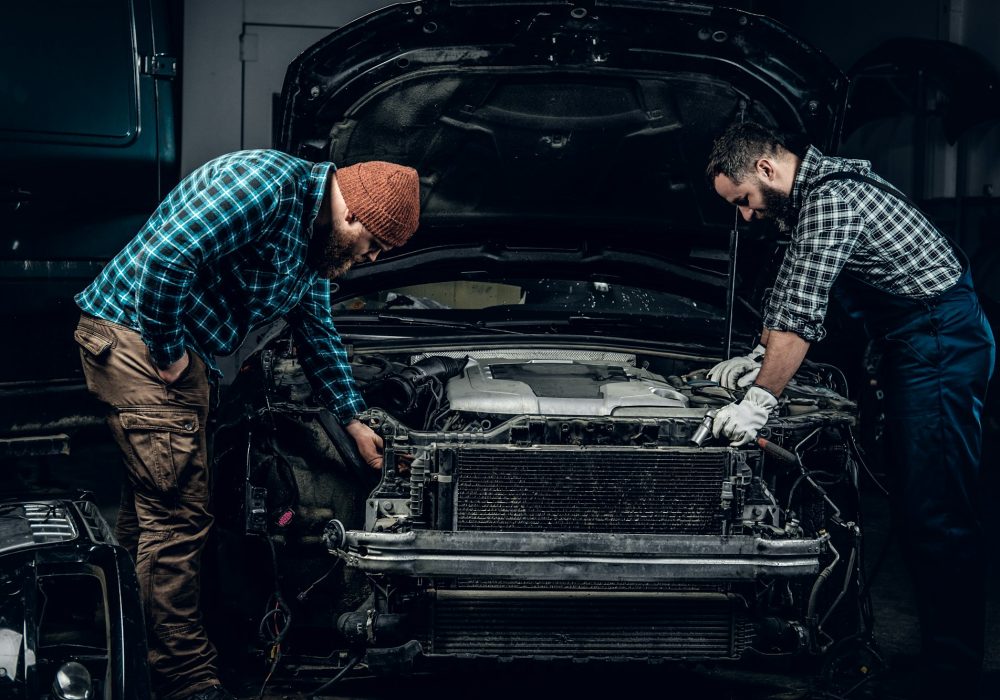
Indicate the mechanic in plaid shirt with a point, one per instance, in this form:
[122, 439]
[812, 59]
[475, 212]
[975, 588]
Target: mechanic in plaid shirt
[246, 239]
[856, 237]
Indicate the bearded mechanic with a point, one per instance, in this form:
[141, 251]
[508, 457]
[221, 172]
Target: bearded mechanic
[246, 239]
[856, 237]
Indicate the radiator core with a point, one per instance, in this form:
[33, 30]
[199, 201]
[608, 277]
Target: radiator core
[581, 627]
[657, 491]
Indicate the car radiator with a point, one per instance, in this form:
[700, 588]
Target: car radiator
[592, 489]
[585, 626]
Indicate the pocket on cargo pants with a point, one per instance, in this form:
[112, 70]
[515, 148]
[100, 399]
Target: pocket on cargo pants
[94, 345]
[164, 441]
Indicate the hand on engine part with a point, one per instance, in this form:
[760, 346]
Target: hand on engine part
[739, 422]
[738, 372]
[368, 441]
[403, 462]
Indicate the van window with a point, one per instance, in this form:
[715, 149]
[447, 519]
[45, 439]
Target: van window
[69, 70]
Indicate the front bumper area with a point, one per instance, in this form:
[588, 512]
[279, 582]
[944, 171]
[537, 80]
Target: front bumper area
[577, 556]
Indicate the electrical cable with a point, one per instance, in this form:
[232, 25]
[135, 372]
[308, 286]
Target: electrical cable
[843, 378]
[433, 406]
[857, 453]
[276, 652]
[285, 474]
[865, 642]
[869, 579]
[280, 608]
[305, 593]
[351, 663]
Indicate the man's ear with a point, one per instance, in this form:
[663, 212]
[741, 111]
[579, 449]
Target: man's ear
[765, 168]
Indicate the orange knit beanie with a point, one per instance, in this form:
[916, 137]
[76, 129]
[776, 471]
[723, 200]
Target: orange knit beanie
[384, 196]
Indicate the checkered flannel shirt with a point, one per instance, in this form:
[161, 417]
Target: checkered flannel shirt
[845, 224]
[223, 254]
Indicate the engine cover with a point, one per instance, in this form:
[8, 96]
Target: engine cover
[560, 387]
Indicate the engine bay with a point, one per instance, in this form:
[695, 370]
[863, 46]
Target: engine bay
[475, 390]
[520, 479]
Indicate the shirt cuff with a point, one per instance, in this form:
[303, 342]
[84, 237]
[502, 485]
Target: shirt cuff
[810, 331]
[346, 413]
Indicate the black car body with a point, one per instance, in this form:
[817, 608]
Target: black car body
[70, 618]
[535, 359]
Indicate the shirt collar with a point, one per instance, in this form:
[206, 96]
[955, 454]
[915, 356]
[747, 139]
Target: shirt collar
[316, 189]
[808, 170]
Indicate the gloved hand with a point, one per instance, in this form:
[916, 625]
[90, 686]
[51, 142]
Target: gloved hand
[739, 422]
[738, 372]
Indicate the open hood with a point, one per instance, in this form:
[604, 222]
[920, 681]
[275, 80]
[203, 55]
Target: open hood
[596, 117]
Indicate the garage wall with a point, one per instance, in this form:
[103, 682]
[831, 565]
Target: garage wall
[234, 60]
[980, 31]
[846, 30]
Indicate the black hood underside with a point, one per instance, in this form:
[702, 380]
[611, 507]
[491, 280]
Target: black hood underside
[583, 114]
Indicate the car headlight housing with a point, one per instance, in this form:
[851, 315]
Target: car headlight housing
[72, 682]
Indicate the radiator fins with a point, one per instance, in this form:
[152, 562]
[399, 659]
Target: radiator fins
[608, 491]
[655, 628]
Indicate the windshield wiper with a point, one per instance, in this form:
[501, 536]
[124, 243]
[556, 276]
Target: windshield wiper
[412, 320]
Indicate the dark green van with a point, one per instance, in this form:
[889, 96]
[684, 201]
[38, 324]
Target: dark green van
[88, 147]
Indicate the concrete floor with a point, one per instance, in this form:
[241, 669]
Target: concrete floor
[95, 466]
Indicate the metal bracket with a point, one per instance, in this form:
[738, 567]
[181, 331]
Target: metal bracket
[159, 66]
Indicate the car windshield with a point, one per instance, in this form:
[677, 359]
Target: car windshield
[509, 297]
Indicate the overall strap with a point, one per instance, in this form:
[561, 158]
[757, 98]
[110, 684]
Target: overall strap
[892, 191]
[858, 177]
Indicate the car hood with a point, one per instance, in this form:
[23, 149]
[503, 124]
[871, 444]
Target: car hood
[596, 116]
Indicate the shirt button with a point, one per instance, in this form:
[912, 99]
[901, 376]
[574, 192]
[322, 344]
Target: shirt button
[188, 426]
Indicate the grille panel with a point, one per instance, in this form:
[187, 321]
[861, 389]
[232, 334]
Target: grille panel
[590, 490]
[49, 523]
[28, 524]
[653, 627]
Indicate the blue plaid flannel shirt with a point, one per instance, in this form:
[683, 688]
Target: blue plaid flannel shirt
[845, 224]
[225, 253]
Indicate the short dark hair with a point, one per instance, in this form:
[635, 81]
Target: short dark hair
[739, 147]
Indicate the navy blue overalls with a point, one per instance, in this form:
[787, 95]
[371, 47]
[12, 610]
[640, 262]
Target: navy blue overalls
[937, 359]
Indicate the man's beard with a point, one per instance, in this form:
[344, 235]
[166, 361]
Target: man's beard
[778, 207]
[330, 252]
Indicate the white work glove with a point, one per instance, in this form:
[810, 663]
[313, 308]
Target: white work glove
[738, 372]
[739, 422]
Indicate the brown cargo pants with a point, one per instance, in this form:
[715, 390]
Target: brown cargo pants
[164, 517]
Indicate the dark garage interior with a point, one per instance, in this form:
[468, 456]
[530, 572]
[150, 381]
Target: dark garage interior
[535, 363]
